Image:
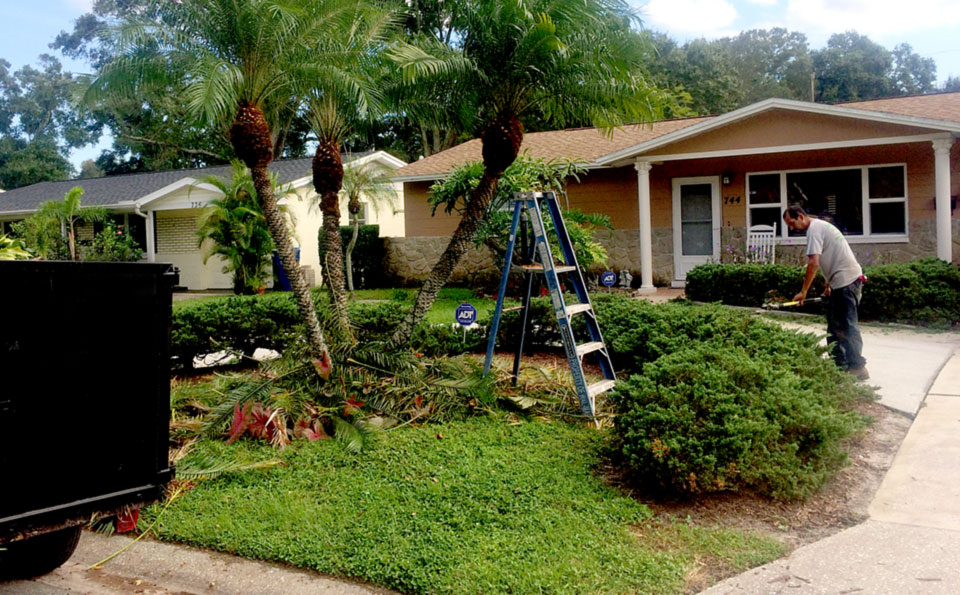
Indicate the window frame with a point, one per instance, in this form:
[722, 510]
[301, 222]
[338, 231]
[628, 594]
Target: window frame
[867, 236]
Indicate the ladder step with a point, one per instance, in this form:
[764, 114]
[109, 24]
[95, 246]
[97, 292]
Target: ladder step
[600, 387]
[538, 268]
[589, 348]
[577, 309]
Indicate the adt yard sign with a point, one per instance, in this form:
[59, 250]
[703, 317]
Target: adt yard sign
[608, 278]
[466, 314]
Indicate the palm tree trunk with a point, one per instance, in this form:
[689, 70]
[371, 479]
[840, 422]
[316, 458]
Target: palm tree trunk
[327, 181]
[72, 243]
[460, 243]
[349, 254]
[278, 230]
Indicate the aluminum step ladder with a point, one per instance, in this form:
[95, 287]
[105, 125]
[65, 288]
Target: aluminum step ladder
[536, 259]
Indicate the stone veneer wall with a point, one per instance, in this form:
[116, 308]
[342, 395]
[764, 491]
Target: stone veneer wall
[410, 259]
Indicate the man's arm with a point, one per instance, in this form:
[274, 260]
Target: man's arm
[813, 265]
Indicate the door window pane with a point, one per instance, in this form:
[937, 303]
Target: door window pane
[697, 238]
[835, 196]
[765, 189]
[886, 182]
[888, 217]
[696, 202]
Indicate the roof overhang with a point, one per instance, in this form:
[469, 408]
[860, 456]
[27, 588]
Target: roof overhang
[383, 157]
[626, 156]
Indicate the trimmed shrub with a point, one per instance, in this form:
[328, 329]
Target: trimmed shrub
[720, 400]
[368, 255]
[923, 291]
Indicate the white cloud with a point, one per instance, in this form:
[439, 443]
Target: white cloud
[80, 5]
[697, 17]
[875, 18]
[764, 2]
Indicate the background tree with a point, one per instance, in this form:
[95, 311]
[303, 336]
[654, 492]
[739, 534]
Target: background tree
[912, 74]
[237, 229]
[770, 63]
[244, 61]
[563, 60]
[68, 212]
[700, 69]
[852, 68]
[363, 182]
[39, 123]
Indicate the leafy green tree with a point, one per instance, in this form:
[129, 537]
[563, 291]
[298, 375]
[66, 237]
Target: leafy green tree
[912, 73]
[237, 229]
[699, 71]
[347, 93]
[565, 60]
[852, 68]
[952, 84]
[42, 237]
[244, 61]
[363, 182]
[68, 212]
[39, 123]
[770, 63]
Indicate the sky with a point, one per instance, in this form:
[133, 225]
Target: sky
[932, 27]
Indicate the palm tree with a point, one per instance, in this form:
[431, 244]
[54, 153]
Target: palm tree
[363, 182]
[243, 60]
[565, 61]
[68, 212]
[348, 94]
[237, 229]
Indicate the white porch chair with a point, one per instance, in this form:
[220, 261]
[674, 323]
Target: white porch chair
[761, 240]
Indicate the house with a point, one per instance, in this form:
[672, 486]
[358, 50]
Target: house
[161, 209]
[684, 192]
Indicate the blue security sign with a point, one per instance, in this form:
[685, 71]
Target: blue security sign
[608, 278]
[466, 314]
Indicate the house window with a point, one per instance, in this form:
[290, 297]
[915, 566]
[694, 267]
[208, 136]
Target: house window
[864, 201]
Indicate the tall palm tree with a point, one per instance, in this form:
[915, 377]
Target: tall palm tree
[565, 61]
[68, 212]
[237, 229]
[243, 60]
[348, 94]
[363, 181]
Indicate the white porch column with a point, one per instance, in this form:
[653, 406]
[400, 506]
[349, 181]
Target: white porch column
[151, 237]
[646, 231]
[941, 151]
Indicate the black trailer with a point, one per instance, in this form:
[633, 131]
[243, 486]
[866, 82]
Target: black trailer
[84, 400]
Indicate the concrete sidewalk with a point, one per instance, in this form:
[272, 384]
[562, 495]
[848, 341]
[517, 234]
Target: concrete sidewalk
[911, 543]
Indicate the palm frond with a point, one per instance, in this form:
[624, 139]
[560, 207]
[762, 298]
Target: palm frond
[212, 465]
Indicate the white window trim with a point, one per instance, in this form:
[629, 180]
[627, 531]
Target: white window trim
[867, 237]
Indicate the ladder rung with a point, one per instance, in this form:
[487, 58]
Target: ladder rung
[538, 268]
[589, 348]
[577, 309]
[600, 387]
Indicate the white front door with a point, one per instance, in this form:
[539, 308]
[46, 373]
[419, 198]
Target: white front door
[696, 224]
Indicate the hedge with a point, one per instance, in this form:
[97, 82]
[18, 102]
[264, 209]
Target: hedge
[918, 292]
[367, 256]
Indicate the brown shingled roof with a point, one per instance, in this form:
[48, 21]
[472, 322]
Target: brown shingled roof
[574, 143]
[590, 144]
[936, 106]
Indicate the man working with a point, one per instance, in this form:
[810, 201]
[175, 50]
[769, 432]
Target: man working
[827, 249]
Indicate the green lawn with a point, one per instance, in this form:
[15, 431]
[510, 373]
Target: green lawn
[480, 506]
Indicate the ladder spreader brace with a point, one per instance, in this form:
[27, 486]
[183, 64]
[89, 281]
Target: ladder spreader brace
[536, 259]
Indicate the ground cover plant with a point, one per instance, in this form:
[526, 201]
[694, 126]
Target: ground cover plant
[469, 506]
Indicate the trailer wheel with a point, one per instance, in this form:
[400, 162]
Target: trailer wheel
[40, 554]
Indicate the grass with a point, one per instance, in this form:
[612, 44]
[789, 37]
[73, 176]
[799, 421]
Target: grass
[466, 507]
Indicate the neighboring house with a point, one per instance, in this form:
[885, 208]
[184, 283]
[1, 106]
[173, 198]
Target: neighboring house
[161, 209]
[684, 192]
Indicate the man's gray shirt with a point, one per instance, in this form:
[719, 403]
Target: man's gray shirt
[839, 265]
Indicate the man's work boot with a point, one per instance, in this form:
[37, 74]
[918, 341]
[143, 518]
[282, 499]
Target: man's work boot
[859, 372]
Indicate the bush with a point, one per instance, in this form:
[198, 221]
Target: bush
[923, 291]
[368, 255]
[725, 400]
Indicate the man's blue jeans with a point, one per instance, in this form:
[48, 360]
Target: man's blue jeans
[843, 331]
